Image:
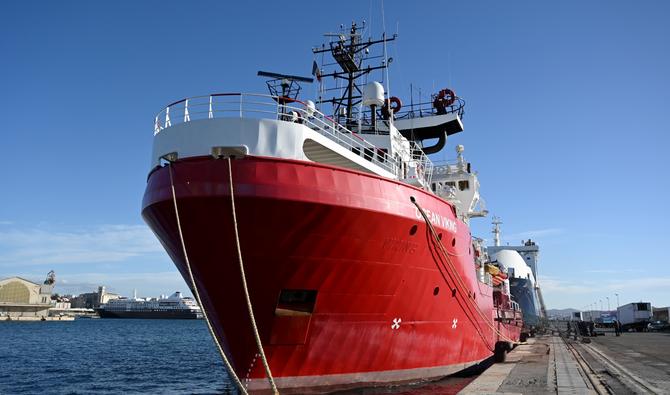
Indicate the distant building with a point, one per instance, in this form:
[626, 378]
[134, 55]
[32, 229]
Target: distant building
[93, 300]
[22, 298]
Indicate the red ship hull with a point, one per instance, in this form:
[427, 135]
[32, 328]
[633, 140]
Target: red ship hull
[383, 311]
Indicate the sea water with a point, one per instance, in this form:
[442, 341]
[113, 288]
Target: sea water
[129, 356]
[110, 356]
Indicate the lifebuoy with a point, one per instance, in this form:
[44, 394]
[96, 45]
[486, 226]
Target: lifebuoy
[396, 105]
[444, 99]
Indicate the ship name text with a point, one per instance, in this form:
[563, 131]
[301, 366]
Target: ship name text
[438, 219]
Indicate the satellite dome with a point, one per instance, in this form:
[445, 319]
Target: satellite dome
[373, 94]
[510, 259]
[309, 107]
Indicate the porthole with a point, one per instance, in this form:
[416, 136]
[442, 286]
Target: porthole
[436, 291]
[453, 242]
[413, 229]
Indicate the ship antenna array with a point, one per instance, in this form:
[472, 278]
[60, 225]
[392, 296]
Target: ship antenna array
[351, 53]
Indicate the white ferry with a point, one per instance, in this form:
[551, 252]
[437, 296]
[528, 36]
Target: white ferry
[175, 307]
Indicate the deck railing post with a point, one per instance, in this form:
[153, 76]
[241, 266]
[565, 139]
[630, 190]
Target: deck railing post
[167, 118]
[187, 117]
[211, 113]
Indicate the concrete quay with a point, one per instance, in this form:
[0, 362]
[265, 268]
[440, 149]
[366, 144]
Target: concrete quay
[633, 363]
[542, 365]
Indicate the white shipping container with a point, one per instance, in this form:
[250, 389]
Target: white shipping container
[635, 314]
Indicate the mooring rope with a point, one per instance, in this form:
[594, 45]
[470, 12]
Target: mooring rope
[244, 283]
[457, 275]
[226, 362]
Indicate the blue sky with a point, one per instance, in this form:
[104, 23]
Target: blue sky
[567, 123]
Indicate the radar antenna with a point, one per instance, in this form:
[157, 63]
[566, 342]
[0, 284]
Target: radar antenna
[350, 53]
[284, 87]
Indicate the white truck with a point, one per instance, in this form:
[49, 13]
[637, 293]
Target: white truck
[634, 316]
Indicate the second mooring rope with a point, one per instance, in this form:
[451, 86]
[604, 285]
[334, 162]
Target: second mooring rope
[244, 283]
[456, 274]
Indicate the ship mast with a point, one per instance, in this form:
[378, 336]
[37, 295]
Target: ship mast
[350, 53]
[496, 231]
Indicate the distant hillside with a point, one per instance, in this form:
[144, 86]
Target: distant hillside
[560, 312]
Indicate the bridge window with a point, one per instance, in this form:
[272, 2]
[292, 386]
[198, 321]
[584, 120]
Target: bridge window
[642, 307]
[464, 185]
[356, 150]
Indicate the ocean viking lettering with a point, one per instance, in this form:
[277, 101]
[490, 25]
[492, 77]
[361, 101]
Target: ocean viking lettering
[438, 220]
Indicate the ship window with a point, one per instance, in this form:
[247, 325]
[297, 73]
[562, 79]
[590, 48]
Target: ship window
[642, 307]
[368, 153]
[433, 187]
[451, 184]
[356, 150]
[296, 300]
[463, 185]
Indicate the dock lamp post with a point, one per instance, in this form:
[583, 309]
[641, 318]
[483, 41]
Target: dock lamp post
[617, 306]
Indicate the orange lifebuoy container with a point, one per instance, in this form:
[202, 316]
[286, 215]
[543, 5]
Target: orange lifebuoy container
[396, 105]
[444, 99]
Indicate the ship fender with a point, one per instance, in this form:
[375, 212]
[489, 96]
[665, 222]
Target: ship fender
[500, 352]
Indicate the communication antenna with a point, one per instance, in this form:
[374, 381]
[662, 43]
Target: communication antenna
[351, 53]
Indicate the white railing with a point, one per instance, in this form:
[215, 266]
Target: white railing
[424, 165]
[248, 105]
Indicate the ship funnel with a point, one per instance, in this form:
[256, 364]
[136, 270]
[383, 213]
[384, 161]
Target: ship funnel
[373, 94]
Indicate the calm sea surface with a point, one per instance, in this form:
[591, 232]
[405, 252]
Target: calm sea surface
[127, 356]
